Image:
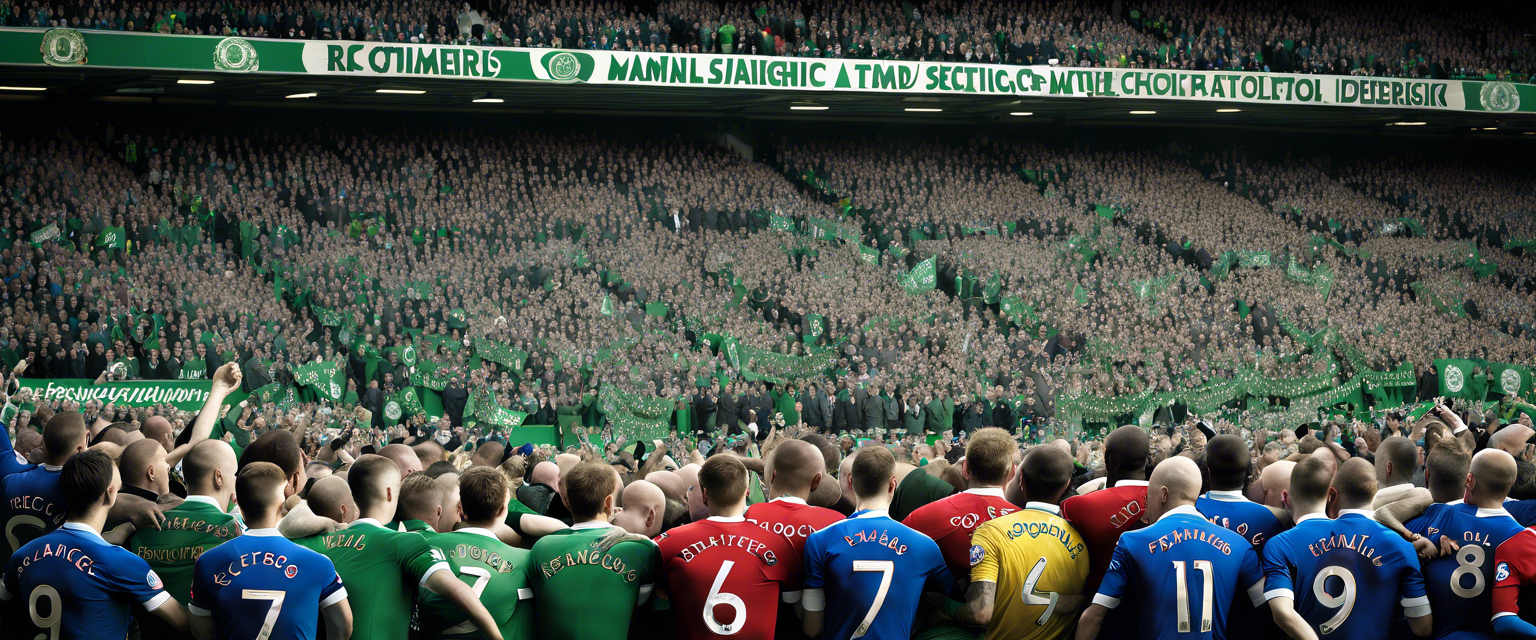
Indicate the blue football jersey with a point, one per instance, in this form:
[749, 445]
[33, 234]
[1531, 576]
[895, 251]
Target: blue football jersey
[262, 582]
[1347, 576]
[1523, 511]
[1184, 573]
[74, 581]
[1232, 510]
[1460, 586]
[33, 505]
[872, 570]
[11, 461]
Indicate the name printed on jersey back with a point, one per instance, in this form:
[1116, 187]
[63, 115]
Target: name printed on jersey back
[588, 558]
[751, 545]
[75, 556]
[1073, 546]
[237, 566]
[881, 538]
[489, 558]
[1180, 536]
[1359, 543]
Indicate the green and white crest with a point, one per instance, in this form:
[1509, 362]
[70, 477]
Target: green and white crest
[1499, 96]
[563, 67]
[1509, 381]
[235, 54]
[392, 410]
[63, 47]
[335, 389]
[1454, 378]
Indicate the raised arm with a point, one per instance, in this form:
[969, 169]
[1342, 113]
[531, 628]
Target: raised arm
[225, 381]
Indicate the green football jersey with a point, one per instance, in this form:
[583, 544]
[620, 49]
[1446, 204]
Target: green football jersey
[192, 527]
[382, 569]
[581, 593]
[499, 575]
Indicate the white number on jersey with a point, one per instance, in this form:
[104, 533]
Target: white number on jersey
[1047, 598]
[273, 610]
[886, 568]
[1344, 602]
[1469, 560]
[55, 609]
[1204, 567]
[728, 599]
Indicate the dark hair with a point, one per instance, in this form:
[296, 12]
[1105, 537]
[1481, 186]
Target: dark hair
[585, 487]
[482, 493]
[254, 486]
[63, 433]
[723, 479]
[872, 469]
[439, 469]
[1228, 459]
[84, 479]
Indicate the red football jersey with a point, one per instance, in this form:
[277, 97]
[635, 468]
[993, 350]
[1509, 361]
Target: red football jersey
[1100, 517]
[1514, 565]
[792, 518]
[732, 572]
[951, 521]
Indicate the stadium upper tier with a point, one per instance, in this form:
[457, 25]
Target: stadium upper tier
[1398, 39]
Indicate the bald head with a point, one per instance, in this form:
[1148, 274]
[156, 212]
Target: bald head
[567, 461]
[1125, 453]
[1493, 473]
[209, 467]
[1354, 485]
[1510, 439]
[795, 468]
[142, 464]
[1174, 483]
[546, 473]
[644, 508]
[489, 454]
[1397, 458]
[670, 483]
[405, 458]
[330, 497]
[157, 428]
[428, 453]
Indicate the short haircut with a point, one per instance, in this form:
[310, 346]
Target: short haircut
[198, 465]
[514, 468]
[1355, 483]
[830, 454]
[1126, 450]
[419, 496]
[1310, 479]
[1228, 459]
[482, 493]
[278, 447]
[439, 468]
[429, 451]
[1447, 465]
[723, 479]
[1403, 455]
[1046, 471]
[259, 486]
[64, 431]
[585, 488]
[989, 455]
[137, 457]
[84, 480]
[872, 471]
[368, 476]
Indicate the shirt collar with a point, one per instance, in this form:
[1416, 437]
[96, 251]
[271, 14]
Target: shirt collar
[595, 524]
[1312, 516]
[142, 493]
[872, 513]
[996, 492]
[479, 531]
[1493, 513]
[85, 530]
[1043, 506]
[1226, 496]
[727, 519]
[268, 532]
[1364, 513]
[1459, 501]
[1184, 510]
[371, 521]
[1130, 483]
[789, 499]
[53, 467]
[205, 500]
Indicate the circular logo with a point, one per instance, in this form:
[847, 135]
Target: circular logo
[335, 390]
[63, 47]
[154, 581]
[977, 553]
[392, 410]
[1454, 378]
[1509, 381]
[563, 67]
[235, 54]
[1502, 573]
[291, 571]
[1499, 96]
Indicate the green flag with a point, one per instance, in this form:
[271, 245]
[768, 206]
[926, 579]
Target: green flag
[324, 377]
[501, 354]
[922, 278]
[818, 324]
[112, 237]
[327, 317]
[45, 234]
[456, 319]
[607, 308]
[869, 255]
[780, 223]
[1510, 379]
[1456, 378]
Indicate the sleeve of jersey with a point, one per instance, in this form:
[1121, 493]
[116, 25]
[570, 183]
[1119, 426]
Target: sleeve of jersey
[419, 558]
[985, 554]
[811, 576]
[334, 591]
[1116, 580]
[1252, 576]
[1508, 575]
[1277, 572]
[1415, 600]
[9, 462]
[201, 602]
[8, 586]
[131, 576]
[786, 571]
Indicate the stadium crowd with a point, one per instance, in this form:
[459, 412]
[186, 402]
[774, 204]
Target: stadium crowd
[1416, 39]
[918, 334]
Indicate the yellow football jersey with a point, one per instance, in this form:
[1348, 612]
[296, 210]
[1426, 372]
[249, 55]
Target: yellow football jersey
[1034, 556]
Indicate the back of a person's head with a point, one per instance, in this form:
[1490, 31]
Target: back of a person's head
[1047, 472]
[420, 496]
[489, 454]
[258, 487]
[1309, 444]
[1355, 483]
[989, 456]
[84, 481]
[1397, 458]
[369, 476]
[872, 472]
[1445, 470]
[439, 469]
[1126, 450]
[202, 460]
[429, 452]
[483, 493]
[514, 469]
[1310, 479]
[724, 479]
[829, 452]
[1495, 472]
[63, 436]
[1227, 459]
[586, 487]
[278, 447]
[327, 497]
[137, 458]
